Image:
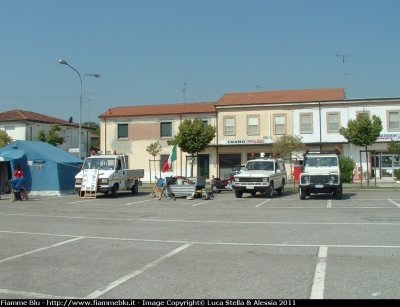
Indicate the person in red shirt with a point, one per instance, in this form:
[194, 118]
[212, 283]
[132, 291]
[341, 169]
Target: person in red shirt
[18, 173]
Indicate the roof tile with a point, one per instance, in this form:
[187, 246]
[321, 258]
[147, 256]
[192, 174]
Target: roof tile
[161, 109]
[267, 97]
[20, 115]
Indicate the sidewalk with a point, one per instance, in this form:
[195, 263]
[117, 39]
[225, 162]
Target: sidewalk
[381, 183]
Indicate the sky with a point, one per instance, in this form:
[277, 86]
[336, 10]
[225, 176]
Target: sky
[178, 51]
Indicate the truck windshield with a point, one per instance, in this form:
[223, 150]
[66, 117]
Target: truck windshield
[267, 165]
[322, 161]
[99, 163]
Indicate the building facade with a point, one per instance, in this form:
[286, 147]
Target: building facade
[25, 126]
[247, 124]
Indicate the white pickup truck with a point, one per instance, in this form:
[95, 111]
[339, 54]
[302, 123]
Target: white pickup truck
[262, 175]
[113, 174]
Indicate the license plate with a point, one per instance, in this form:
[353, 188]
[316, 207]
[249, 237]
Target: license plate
[250, 187]
[319, 186]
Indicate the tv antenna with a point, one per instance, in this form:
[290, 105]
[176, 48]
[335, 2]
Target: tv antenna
[260, 87]
[89, 100]
[344, 73]
[343, 56]
[184, 90]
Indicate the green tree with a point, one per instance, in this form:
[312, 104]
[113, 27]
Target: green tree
[347, 165]
[286, 145]
[96, 131]
[94, 125]
[4, 138]
[52, 137]
[394, 147]
[154, 149]
[193, 136]
[363, 132]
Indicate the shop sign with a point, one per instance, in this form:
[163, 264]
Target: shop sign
[246, 142]
[387, 137]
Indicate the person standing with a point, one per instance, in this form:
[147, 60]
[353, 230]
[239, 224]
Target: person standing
[19, 173]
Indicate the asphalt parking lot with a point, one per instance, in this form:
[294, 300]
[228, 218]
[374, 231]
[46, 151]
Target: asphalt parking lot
[138, 247]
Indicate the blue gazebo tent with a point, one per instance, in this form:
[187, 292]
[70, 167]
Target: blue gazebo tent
[47, 169]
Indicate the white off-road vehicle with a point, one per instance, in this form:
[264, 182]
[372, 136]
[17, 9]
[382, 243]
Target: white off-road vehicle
[321, 173]
[263, 175]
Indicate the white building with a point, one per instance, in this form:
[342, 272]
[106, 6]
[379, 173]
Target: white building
[25, 125]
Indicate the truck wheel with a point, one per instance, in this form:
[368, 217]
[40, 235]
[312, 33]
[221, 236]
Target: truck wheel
[270, 192]
[281, 190]
[238, 193]
[302, 194]
[114, 191]
[134, 189]
[339, 193]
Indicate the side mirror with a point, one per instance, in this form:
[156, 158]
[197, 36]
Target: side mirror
[278, 171]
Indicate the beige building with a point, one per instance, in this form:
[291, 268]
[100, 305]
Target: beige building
[247, 124]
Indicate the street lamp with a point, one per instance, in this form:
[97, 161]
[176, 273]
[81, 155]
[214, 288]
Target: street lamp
[80, 103]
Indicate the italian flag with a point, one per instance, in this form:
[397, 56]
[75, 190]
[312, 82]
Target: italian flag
[170, 160]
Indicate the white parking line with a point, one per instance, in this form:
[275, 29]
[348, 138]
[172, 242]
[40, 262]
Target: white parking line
[40, 249]
[34, 294]
[198, 221]
[329, 203]
[398, 205]
[264, 202]
[136, 202]
[203, 202]
[318, 286]
[285, 244]
[125, 278]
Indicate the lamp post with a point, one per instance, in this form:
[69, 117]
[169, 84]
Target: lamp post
[80, 103]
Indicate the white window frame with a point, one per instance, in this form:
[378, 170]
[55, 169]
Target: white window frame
[279, 128]
[303, 124]
[253, 124]
[229, 125]
[392, 123]
[330, 123]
